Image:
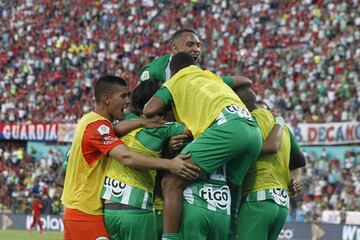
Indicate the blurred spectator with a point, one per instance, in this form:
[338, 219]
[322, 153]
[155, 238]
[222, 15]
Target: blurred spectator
[331, 186]
[303, 55]
[19, 183]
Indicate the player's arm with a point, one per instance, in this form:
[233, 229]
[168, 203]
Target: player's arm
[176, 166]
[297, 158]
[237, 81]
[60, 176]
[99, 137]
[158, 103]
[273, 142]
[122, 128]
[297, 162]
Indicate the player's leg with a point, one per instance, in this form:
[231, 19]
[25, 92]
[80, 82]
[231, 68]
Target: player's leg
[79, 230]
[79, 225]
[130, 224]
[215, 147]
[159, 223]
[40, 224]
[222, 223]
[172, 187]
[33, 223]
[195, 222]
[159, 204]
[275, 229]
[255, 219]
[247, 149]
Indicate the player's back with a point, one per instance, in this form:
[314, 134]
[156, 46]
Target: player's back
[205, 92]
[269, 171]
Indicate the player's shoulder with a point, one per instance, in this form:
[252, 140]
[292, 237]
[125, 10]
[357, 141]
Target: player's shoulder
[152, 68]
[161, 60]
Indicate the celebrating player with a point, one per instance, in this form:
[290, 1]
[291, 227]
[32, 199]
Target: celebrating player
[266, 186]
[216, 118]
[94, 141]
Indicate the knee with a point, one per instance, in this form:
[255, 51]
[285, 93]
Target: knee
[172, 183]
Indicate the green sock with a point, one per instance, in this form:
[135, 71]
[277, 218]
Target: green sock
[170, 236]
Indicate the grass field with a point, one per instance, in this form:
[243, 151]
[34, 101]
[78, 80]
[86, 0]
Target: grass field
[21, 235]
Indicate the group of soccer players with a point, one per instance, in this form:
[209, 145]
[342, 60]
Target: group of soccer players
[230, 172]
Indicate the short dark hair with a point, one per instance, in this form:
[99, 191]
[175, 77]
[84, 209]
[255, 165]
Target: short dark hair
[142, 94]
[178, 33]
[181, 60]
[261, 102]
[247, 96]
[105, 84]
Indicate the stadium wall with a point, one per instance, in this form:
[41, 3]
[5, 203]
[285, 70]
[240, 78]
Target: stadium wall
[298, 231]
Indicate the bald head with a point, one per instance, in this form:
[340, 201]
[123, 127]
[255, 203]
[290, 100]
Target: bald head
[247, 96]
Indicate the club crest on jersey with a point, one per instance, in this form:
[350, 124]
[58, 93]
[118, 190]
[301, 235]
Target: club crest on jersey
[103, 129]
[117, 188]
[145, 75]
[217, 197]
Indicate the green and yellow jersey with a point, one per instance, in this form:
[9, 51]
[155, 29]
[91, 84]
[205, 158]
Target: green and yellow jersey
[269, 176]
[132, 186]
[208, 95]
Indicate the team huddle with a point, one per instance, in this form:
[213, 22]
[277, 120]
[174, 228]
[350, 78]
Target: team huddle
[222, 166]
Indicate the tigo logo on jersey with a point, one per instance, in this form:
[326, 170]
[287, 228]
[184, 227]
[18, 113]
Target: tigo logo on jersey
[103, 129]
[117, 188]
[218, 197]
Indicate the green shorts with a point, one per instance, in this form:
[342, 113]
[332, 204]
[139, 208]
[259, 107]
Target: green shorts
[235, 143]
[201, 224]
[130, 224]
[260, 220]
[159, 223]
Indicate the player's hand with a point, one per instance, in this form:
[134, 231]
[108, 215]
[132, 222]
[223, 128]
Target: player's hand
[296, 187]
[276, 113]
[176, 143]
[153, 122]
[185, 169]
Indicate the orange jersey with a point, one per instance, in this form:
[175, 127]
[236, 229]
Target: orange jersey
[88, 160]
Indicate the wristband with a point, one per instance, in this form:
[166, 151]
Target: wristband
[280, 121]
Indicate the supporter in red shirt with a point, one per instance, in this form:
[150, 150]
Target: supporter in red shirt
[36, 213]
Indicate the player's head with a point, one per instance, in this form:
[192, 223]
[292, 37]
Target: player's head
[111, 96]
[262, 104]
[186, 40]
[247, 96]
[179, 61]
[142, 94]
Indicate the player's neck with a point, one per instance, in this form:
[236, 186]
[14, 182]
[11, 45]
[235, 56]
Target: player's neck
[103, 112]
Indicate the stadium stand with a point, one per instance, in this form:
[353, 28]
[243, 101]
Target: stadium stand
[304, 59]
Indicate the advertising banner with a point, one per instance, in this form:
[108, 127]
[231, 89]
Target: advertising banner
[23, 222]
[352, 217]
[34, 132]
[66, 132]
[295, 231]
[327, 133]
[329, 216]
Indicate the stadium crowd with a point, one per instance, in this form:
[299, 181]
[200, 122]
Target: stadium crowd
[303, 56]
[329, 184]
[23, 177]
